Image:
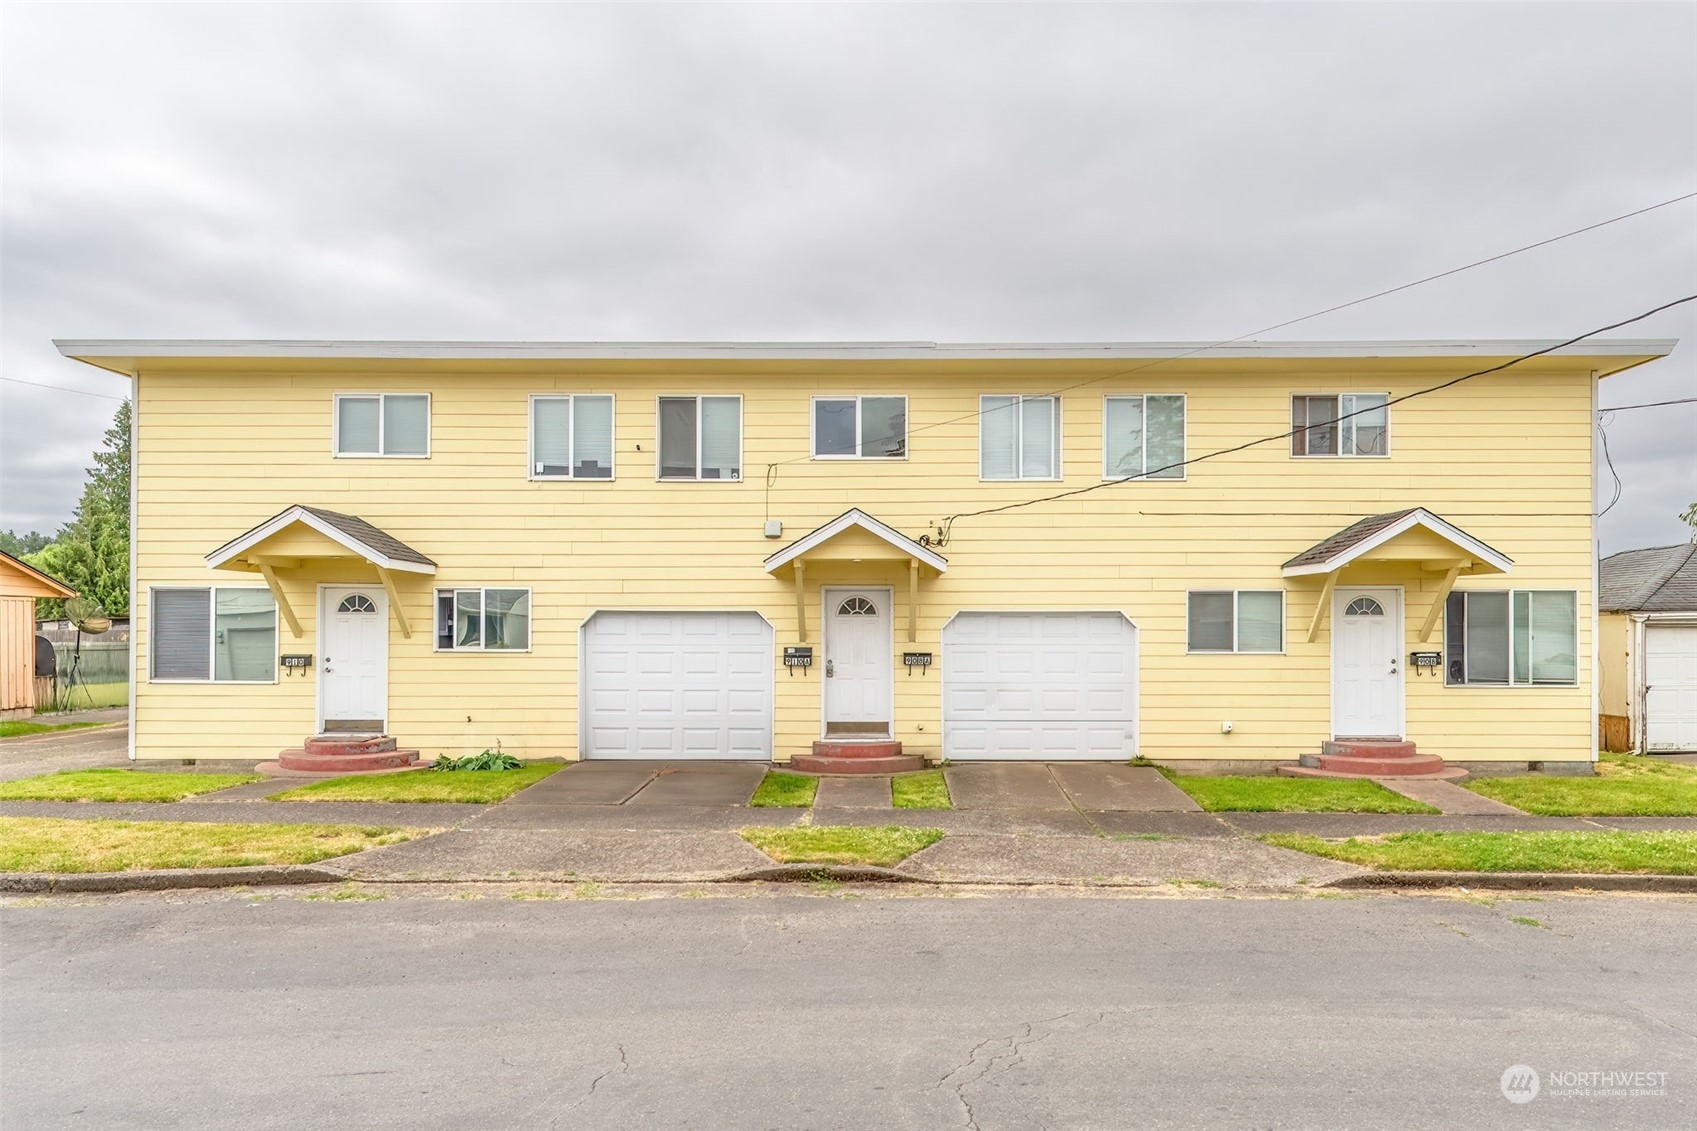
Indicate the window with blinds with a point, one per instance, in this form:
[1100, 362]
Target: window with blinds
[859, 427]
[1143, 437]
[571, 437]
[1237, 620]
[700, 438]
[1345, 424]
[383, 424]
[1512, 638]
[217, 634]
[482, 620]
[1019, 437]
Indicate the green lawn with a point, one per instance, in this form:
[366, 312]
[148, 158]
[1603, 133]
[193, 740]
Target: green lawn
[32, 844]
[117, 785]
[1294, 795]
[837, 844]
[477, 787]
[1658, 853]
[19, 728]
[924, 790]
[779, 790]
[1626, 785]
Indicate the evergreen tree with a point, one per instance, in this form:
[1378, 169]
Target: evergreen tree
[92, 553]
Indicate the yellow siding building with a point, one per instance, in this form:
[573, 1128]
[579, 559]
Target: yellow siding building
[1221, 557]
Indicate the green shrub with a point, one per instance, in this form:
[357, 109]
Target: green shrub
[495, 759]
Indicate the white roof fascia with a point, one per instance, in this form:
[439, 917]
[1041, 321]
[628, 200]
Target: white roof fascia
[1419, 517]
[300, 514]
[860, 518]
[92, 349]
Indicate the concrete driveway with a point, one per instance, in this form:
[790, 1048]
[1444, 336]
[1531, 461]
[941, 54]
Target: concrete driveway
[96, 747]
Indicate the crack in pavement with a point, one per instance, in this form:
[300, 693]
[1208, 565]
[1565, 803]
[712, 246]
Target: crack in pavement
[1010, 1055]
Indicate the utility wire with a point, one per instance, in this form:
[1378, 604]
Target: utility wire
[1609, 462]
[1652, 404]
[1294, 321]
[62, 389]
[946, 525]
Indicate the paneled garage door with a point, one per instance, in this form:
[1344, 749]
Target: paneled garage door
[1670, 704]
[677, 685]
[1039, 685]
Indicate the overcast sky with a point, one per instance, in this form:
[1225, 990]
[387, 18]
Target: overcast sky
[866, 172]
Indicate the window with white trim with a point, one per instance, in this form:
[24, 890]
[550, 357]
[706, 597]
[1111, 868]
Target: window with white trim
[1237, 620]
[482, 620]
[859, 427]
[214, 634]
[1512, 638]
[1143, 436]
[1019, 437]
[700, 438]
[571, 436]
[383, 424]
[1341, 424]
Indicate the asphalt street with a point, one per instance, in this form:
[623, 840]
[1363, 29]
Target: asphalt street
[800, 1008]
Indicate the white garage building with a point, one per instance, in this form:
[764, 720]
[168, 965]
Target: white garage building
[1647, 646]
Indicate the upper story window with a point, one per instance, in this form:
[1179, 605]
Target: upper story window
[383, 424]
[1143, 436]
[859, 427]
[1019, 437]
[213, 633]
[1512, 637]
[1242, 620]
[1343, 424]
[482, 620]
[700, 438]
[571, 437]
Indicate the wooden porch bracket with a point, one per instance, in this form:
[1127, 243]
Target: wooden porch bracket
[1438, 600]
[270, 574]
[395, 601]
[912, 600]
[1321, 606]
[800, 601]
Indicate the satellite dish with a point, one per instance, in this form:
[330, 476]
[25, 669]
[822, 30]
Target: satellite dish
[87, 617]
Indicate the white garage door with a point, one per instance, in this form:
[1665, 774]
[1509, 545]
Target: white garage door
[1670, 704]
[1039, 685]
[677, 685]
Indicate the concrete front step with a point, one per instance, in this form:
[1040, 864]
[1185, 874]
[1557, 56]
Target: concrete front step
[1367, 748]
[1381, 767]
[829, 764]
[1451, 773]
[342, 745]
[857, 748]
[304, 761]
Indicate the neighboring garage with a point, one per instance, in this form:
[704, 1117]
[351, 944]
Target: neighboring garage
[677, 685]
[1055, 685]
[1670, 687]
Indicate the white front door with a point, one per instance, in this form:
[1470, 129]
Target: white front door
[858, 658]
[353, 670]
[1367, 663]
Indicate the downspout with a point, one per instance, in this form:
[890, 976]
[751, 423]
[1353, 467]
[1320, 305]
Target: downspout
[135, 450]
[1596, 593]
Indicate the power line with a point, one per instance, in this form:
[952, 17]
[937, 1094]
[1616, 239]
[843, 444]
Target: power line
[62, 389]
[946, 525]
[1652, 404]
[1294, 321]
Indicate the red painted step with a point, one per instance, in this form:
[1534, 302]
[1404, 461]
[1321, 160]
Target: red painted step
[1368, 748]
[827, 764]
[857, 748]
[339, 745]
[1368, 766]
[304, 761]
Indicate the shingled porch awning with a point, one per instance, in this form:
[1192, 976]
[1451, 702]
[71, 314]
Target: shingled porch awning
[1414, 537]
[856, 536]
[305, 534]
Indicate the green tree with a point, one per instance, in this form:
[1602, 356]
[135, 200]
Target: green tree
[1690, 517]
[92, 553]
[20, 544]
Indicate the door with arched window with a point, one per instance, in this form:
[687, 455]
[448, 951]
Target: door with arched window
[859, 656]
[353, 663]
[1367, 640]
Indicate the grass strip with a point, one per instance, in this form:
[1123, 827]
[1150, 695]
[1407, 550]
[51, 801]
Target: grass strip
[1294, 795]
[1626, 785]
[18, 729]
[840, 844]
[924, 790]
[779, 790]
[472, 787]
[1594, 853]
[41, 844]
[117, 785]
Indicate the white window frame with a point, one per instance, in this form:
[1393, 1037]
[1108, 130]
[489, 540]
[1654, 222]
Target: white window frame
[1340, 453]
[857, 398]
[211, 592]
[1144, 477]
[1234, 650]
[336, 426]
[742, 427]
[482, 611]
[571, 439]
[1019, 440]
[1510, 683]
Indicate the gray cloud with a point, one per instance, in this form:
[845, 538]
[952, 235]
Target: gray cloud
[939, 172]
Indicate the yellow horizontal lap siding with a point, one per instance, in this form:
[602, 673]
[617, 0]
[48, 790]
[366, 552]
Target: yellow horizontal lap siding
[1507, 458]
